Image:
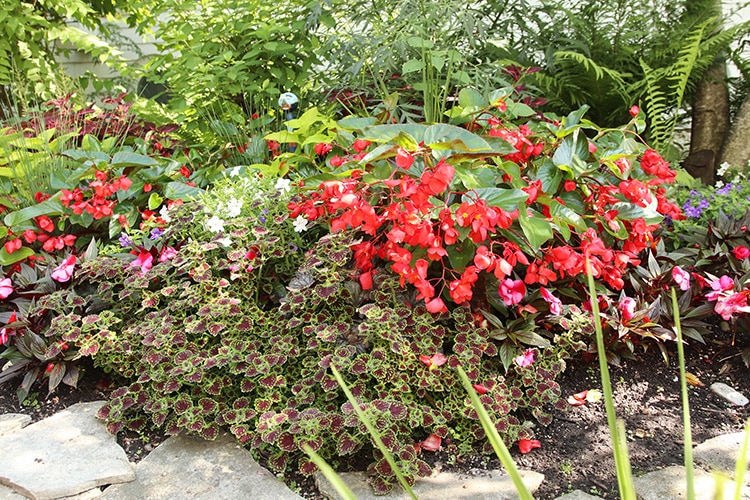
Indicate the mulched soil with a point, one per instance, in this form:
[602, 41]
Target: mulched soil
[576, 452]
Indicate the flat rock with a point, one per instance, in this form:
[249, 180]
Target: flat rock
[721, 453]
[728, 394]
[66, 454]
[12, 422]
[669, 484]
[186, 466]
[578, 495]
[490, 485]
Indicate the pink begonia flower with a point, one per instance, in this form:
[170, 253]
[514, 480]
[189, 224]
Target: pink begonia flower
[626, 305]
[6, 288]
[525, 359]
[511, 291]
[741, 252]
[144, 260]
[681, 277]
[555, 305]
[64, 271]
[167, 254]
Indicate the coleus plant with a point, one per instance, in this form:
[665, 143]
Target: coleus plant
[241, 333]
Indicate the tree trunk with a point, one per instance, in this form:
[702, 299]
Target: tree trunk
[737, 147]
[709, 125]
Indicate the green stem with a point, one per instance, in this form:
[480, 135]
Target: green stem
[688, 441]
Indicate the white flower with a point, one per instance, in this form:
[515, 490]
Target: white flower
[164, 213]
[722, 169]
[719, 184]
[283, 185]
[215, 225]
[225, 241]
[300, 224]
[233, 207]
[234, 171]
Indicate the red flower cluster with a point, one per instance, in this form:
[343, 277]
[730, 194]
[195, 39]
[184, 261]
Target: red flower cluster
[95, 198]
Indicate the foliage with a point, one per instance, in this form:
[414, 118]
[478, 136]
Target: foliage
[211, 338]
[240, 56]
[35, 33]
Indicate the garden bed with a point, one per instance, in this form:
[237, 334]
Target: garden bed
[575, 451]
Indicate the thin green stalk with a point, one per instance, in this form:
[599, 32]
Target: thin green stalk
[740, 467]
[497, 443]
[373, 433]
[330, 474]
[688, 441]
[619, 445]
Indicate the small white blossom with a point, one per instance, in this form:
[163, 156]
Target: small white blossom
[164, 213]
[215, 224]
[300, 224]
[233, 207]
[719, 184]
[722, 169]
[283, 185]
[225, 241]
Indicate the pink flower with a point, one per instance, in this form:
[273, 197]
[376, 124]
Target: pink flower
[64, 271]
[719, 286]
[741, 252]
[511, 291]
[681, 277]
[6, 288]
[434, 361]
[726, 306]
[432, 443]
[436, 305]
[167, 254]
[144, 260]
[525, 359]
[555, 305]
[626, 305]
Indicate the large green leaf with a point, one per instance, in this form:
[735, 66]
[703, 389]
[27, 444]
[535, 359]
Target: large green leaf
[572, 152]
[354, 123]
[7, 259]
[181, 191]
[537, 230]
[48, 207]
[387, 133]
[460, 255]
[507, 199]
[130, 159]
[629, 211]
[82, 155]
[283, 137]
[444, 136]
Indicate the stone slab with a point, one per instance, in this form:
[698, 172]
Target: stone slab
[66, 454]
[12, 422]
[578, 495]
[489, 485]
[728, 394]
[669, 484]
[721, 453]
[186, 466]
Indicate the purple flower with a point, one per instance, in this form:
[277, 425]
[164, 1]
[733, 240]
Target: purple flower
[125, 240]
[156, 233]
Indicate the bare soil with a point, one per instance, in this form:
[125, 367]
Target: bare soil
[576, 451]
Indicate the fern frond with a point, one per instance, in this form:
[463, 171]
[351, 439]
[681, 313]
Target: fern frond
[656, 106]
[590, 65]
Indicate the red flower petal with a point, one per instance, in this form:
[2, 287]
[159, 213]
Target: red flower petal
[526, 445]
[432, 443]
[578, 399]
[480, 388]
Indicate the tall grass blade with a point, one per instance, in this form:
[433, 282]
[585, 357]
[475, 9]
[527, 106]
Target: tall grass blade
[373, 433]
[688, 435]
[330, 474]
[740, 467]
[619, 445]
[497, 443]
